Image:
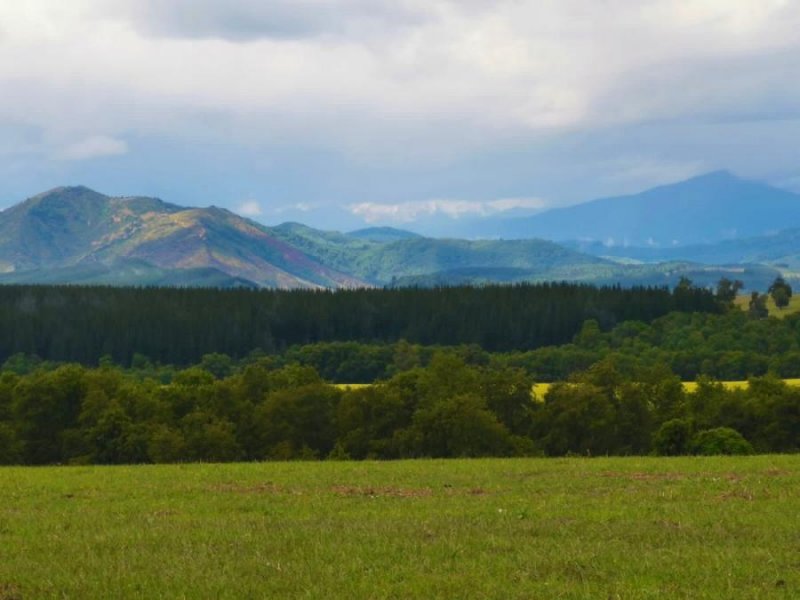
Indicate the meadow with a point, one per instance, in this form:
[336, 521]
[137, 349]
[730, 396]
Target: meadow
[699, 527]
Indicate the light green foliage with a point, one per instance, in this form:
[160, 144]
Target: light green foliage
[693, 527]
[720, 440]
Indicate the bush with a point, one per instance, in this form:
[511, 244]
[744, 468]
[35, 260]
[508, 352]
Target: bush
[722, 440]
[672, 438]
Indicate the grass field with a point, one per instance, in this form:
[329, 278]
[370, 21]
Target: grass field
[523, 528]
[743, 301]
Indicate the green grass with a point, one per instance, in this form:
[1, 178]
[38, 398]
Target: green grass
[522, 528]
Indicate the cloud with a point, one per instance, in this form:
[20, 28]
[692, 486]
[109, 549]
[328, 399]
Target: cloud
[247, 20]
[504, 204]
[96, 146]
[373, 77]
[407, 212]
[249, 208]
[444, 97]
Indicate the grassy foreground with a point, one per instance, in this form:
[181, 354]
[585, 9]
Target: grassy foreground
[517, 528]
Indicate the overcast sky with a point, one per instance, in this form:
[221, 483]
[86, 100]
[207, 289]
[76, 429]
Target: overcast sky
[340, 112]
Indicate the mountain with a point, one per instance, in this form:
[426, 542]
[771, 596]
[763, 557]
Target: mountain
[428, 262]
[704, 209]
[781, 249]
[383, 234]
[78, 235]
[383, 262]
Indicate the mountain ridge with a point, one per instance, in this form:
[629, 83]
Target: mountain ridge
[77, 235]
[704, 209]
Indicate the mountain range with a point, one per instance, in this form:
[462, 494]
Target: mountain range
[77, 235]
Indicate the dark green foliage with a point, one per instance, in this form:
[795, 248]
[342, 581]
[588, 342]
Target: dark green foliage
[621, 394]
[180, 326]
[458, 404]
[457, 426]
[721, 440]
[366, 422]
[10, 447]
[727, 290]
[297, 422]
[731, 346]
[576, 418]
[781, 292]
[757, 308]
[672, 438]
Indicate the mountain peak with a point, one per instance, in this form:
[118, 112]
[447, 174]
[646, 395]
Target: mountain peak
[66, 193]
[719, 174]
[706, 208]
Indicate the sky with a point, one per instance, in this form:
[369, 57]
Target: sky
[412, 113]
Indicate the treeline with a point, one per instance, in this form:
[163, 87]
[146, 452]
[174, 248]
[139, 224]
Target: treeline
[179, 326]
[731, 346]
[77, 415]
[734, 345]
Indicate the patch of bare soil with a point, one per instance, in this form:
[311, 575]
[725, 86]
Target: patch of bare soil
[642, 476]
[9, 591]
[256, 488]
[381, 491]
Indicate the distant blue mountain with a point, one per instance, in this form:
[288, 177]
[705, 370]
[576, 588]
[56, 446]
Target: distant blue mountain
[705, 209]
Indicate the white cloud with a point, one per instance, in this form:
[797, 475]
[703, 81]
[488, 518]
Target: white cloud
[407, 212]
[504, 204]
[356, 75]
[409, 86]
[96, 146]
[249, 208]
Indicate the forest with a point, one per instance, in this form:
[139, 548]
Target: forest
[180, 325]
[452, 407]
[80, 393]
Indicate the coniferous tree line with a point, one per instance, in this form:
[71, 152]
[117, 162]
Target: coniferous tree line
[179, 326]
[450, 408]
[730, 346]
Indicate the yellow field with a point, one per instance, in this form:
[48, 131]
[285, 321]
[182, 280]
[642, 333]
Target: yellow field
[743, 301]
[541, 389]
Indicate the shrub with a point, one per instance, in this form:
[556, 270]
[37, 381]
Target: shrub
[722, 440]
[672, 438]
